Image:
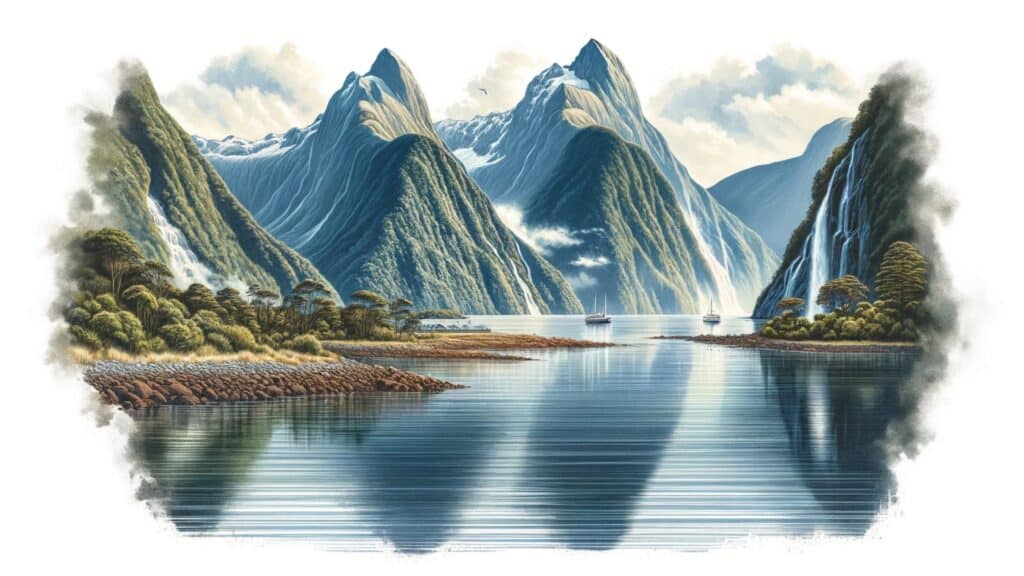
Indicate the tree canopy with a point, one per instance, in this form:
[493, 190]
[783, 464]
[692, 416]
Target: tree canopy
[903, 275]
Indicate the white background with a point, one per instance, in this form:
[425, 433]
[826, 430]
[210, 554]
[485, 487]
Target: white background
[67, 497]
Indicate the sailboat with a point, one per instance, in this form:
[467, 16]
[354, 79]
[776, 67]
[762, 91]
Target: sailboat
[711, 317]
[596, 317]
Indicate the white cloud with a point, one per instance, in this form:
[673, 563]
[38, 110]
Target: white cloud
[504, 80]
[539, 239]
[250, 93]
[739, 115]
[590, 261]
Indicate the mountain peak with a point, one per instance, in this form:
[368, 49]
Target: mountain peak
[594, 61]
[394, 72]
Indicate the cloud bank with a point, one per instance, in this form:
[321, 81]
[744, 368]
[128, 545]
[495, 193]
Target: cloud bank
[740, 115]
[249, 93]
[504, 80]
[540, 239]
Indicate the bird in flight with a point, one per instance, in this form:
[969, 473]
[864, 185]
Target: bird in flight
[484, 90]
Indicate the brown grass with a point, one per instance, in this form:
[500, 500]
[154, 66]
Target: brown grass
[81, 355]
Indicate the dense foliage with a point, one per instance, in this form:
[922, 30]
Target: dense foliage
[122, 300]
[901, 284]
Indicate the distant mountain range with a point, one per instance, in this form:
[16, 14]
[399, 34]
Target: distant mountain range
[172, 201]
[370, 194]
[773, 198]
[861, 200]
[522, 154]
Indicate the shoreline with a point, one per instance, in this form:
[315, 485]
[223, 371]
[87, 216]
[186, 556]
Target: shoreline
[465, 346]
[757, 342]
[137, 385]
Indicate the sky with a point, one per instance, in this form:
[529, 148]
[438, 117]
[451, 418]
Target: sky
[722, 109]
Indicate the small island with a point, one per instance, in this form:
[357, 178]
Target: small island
[849, 323]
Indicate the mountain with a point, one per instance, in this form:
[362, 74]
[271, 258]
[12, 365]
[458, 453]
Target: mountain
[513, 155]
[861, 199]
[772, 198]
[172, 201]
[370, 194]
[630, 247]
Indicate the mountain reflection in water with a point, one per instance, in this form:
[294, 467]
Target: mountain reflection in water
[657, 443]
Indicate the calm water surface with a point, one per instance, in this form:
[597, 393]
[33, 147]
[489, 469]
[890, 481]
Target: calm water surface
[658, 444]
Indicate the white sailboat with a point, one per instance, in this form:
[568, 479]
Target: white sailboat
[711, 317]
[596, 317]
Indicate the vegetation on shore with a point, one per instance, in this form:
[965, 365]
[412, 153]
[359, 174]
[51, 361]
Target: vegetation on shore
[122, 303]
[901, 284]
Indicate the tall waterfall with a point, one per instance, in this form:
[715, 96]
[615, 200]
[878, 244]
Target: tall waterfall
[183, 262]
[531, 304]
[837, 242]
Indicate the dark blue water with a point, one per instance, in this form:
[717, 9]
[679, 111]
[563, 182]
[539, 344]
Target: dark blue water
[656, 444]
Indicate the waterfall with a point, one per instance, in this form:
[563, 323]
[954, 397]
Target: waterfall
[183, 262]
[837, 243]
[531, 304]
[851, 228]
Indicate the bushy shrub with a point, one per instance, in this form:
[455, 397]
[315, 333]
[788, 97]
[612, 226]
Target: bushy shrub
[219, 342]
[874, 331]
[92, 306]
[184, 336]
[306, 343]
[801, 334]
[77, 316]
[170, 311]
[817, 330]
[830, 335]
[157, 344]
[85, 337]
[239, 336]
[769, 332]
[850, 330]
[107, 302]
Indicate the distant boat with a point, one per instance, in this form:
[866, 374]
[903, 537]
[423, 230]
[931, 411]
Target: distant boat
[711, 317]
[599, 317]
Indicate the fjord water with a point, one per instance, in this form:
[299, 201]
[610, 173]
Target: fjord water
[657, 444]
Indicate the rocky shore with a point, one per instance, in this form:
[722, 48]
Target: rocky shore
[488, 346]
[760, 342]
[142, 385]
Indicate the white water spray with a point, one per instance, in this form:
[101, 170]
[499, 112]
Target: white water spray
[183, 262]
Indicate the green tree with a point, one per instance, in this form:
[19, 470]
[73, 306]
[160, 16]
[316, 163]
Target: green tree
[115, 251]
[399, 312]
[144, 303]
[902, 278]
[841, 294]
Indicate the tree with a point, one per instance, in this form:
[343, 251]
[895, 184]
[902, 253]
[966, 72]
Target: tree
[145, 304]
[793, 305]
[842, 293]
[263, 301]
[399, 311]
[198, 297]
[115, 251]
[902, 278]
[367, 310]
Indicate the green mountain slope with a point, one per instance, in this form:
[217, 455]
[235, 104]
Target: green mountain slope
[632, 243]
[140, 152]
[420, 226]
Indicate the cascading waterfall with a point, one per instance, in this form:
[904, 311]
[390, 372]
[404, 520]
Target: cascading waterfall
[531, 304]
[837, 242]
[183, 262]
[848, 229]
